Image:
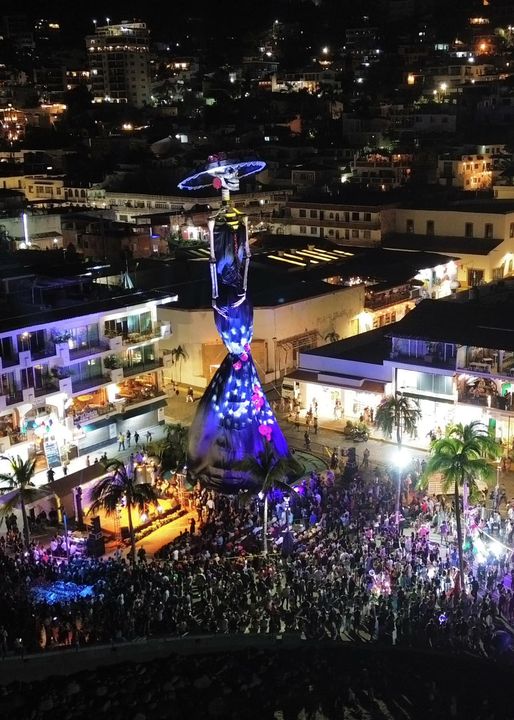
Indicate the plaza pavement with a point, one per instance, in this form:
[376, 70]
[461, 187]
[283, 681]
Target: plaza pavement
[328, 438]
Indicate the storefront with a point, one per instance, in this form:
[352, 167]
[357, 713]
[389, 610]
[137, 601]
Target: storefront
[337, 401]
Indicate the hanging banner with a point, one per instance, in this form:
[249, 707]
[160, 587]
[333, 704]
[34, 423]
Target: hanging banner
[53, 456]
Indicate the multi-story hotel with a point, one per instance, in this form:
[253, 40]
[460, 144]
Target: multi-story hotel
[72, 378]
[119, 63]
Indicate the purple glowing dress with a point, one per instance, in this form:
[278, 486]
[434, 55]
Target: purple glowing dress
[233, 419]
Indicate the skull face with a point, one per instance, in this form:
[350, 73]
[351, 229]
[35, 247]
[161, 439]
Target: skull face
[226, 177]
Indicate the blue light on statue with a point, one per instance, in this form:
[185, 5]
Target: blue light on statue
[233, 420]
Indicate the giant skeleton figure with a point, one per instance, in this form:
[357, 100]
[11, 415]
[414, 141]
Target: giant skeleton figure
[233, 419]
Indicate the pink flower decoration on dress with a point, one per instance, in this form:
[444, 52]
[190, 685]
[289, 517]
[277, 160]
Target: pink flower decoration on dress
[244, 357]
[247, 347]
[237, 365]
[265, 431]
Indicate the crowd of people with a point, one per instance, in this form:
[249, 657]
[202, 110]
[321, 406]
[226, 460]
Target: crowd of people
[338, 569]
[314, 682]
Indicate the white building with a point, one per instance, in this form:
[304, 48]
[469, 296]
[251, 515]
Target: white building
[282, 329]
[72, 378]
[342, 222]
[119, 63]
[480, 233]
[454, 358]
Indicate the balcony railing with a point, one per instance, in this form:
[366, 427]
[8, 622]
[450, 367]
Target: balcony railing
[149, 395]
[93, 349]
[84, 384]
[43, 352]
[382, 300]
[14, 397]
[92, 413]
[10, 361]
[497, 402]
[424, 360]
[152, 333]
[47, 388]
[142, 367]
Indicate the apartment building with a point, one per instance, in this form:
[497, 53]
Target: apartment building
[479, 233]
[72, 378]
[364, 222]
[476, 169]
[379, 171]
[119, 63]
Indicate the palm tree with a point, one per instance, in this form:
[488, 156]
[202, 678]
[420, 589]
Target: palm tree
[177, 437]
[179, 354]
[399, 414]
[332, 336]
[19, 480]
[268, 471]
[462, 457]
[172, 449]
[121, 485]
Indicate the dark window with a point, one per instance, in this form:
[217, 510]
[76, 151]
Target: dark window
[410, 225]
[488, 231]
[430, 227]
[468, 230]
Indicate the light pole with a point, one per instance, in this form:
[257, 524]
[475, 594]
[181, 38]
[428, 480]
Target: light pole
[497, 489]
[402, 460]
[275, 360]
[66, 539]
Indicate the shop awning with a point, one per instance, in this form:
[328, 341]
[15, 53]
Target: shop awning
[141, 410]
[348, 382]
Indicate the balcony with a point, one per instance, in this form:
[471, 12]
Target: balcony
[484, 361]
[91, 413]
[95, 349]
[79, 385]
[149, 395]
[14, 397]
[380, 300]
[46, 389]
[9, 361]
[142, 367]
[43, 352]
[327, 223]
[154, 333]
[423, 353]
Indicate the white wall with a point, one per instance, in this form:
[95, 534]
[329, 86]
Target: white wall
[453, 223]
[335, 311]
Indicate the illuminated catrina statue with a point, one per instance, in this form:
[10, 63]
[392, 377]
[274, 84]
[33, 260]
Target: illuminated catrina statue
[233, 419]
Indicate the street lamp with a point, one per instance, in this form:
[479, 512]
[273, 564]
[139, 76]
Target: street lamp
[66, 539]
[275, 360]
[401, 461]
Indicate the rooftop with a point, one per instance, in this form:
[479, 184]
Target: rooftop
[486, 321]
[441, 244]
[369, 347]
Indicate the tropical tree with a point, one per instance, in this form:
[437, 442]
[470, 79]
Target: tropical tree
[179, 354]
[177, 437]
[19, 480]
[118, 486]
[172, 448]
[332, 336]
[269, 472]
[397, 414]
[462, 457]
